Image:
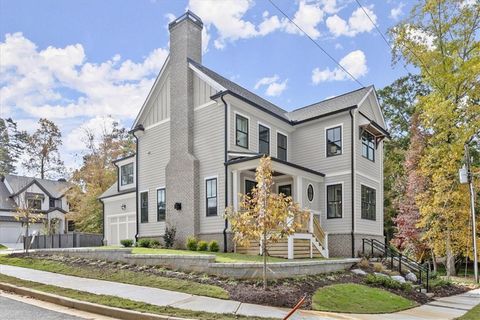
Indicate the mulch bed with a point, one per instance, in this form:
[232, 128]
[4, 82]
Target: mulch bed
[280, 293]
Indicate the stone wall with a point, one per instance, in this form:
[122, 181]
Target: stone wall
[340, 244]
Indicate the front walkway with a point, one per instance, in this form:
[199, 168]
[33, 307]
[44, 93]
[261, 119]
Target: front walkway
[443, 308]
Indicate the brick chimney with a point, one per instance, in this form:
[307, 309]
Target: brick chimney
[182, 174]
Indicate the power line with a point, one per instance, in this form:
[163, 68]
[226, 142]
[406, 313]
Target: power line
[317, 44]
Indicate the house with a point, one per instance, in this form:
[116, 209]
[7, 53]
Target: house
[199, 139]
[45, 198]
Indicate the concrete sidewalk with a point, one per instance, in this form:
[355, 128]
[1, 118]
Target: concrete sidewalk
[443, 308]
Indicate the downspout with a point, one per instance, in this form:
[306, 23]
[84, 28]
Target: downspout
[353, 181]
[103, 210]
[226, 173]
[137, 128]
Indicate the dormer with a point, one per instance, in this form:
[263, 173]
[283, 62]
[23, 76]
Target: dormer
[126, 172]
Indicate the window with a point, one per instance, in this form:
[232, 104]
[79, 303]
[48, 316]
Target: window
[334, 201]
[310, 193]
[161, 204]
[334, 141]
[126, 171]
[281, 146]
[211, 197]
[70, 225]
[242, 131]
[368, 203]
[285, 189]
[144, 207]
[34, 204]
[263, 140]
[51, 203]
[368, 146]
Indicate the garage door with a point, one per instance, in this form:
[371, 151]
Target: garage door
[120, 227]
[10, 232]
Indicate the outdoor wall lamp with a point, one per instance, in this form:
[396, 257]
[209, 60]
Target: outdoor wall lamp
[178, 206]
[124, 206]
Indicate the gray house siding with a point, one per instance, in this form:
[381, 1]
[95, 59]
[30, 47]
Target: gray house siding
[158, 106]
[201, 91]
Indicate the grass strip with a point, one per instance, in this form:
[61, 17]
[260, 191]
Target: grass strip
[123, 276]
[473, 314]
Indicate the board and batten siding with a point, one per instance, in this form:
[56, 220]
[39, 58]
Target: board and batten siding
[158, 105]
[202, 91]
[153, 156]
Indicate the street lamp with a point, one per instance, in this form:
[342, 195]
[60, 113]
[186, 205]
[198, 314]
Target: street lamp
[466, 176]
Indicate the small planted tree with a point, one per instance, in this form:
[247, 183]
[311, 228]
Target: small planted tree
[263, 215]
[26, 213]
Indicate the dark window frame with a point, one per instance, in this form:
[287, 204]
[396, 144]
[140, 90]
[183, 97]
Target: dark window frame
[247, 181]
[237, 130]
[143, 209]
[50, 202]
[310, 187]
[368, 144]
[369, 203]
[285, 185]
[279, 147]
[337, 201]
[70, 226]
[162, 212]
[31, 204]
[211, 196]
[130, 178]
[334, 142]
[260, 140]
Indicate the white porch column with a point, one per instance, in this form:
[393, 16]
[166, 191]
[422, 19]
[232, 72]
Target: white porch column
[235, 188]
[298, 190]
[290, 248]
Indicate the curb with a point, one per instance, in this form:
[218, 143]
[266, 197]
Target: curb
[85, 306]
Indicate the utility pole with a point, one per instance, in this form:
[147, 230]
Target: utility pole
[469, 176]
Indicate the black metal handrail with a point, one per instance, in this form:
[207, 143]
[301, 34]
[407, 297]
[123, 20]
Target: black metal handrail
[388, 251]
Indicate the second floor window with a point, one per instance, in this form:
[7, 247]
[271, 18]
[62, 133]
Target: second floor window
[263, 139]
[126, 172]
[211, 196]
[334, 141]
[334, 201]
[144, 207]
[241, 135]
[281, 146]
[368, 146]
[369, 203]
[51, 203]
[34, 204]
[161, 204]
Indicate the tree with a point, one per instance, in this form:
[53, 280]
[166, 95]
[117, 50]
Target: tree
[441, 39]
[27, 215]
[264, 215]
[42, 150]
[97, 174]
[11, 145]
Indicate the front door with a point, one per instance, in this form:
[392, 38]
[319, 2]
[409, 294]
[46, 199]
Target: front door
[286, 189]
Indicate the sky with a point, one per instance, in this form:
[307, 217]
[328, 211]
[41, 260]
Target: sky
[86, 63]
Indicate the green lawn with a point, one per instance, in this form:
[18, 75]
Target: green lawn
[357, 298]
[124, 276]
[473, 314]
[116, 302]
[2, 247]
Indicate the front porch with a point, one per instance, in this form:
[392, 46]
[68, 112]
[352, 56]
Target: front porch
[304, 186]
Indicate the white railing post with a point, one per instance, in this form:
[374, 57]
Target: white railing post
[290, 247]
[310, 225]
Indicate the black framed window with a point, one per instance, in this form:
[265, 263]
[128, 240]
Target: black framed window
[310, 193]
[286, 189]
[70, 225]
[249, 186]
[369, 203]
[241, 130]
[51, 203]
[144, 207]
[368, 146]
[281, 146]
[34, 204]
[126, 172]
[334, 141]
[263, 139]
[211, 197]
[161, 204]
[334, 201]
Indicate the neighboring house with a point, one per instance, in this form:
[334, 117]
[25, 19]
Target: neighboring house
[199, 140]
[45, 198]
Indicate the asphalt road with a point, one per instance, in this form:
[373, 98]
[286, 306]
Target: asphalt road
[16, 310]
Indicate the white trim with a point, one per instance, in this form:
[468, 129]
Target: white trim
[326, 144]
[235, 113]
[364, 97]
[229, 120]
[354, 178]
[313, 187]
[367, 177]
[157, 124]
[276, 140]
[269, 136]
[121, 214]
[129, 185]
[140, 206]
[338, 173]
[239, 154]
[119, 197]
[326, 199]
[207, 104]
[206, 78]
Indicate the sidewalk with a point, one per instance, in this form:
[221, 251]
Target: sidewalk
[443, 308]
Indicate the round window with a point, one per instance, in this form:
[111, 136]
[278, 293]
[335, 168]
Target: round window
[310, 193]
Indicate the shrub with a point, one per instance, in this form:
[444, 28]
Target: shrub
[169, 237]
[364, 263]
[154, 243]
[438, 283]
[378, 267]
[127, 243]
[213, 246]
[192, 244]
[387, 282]
[144, 243]
[202, 245]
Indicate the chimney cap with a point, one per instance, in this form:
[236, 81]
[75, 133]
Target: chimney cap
[187, 15]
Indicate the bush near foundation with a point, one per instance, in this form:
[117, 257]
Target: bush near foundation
[191, 243]
[202, 246]
[213, 246]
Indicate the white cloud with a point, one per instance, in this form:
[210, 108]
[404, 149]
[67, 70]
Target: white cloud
[357, 23]
[75, 140]
[397, 11]
[307, 17]
[274, 86]
[355, 63]
[61, 83]
[420, 37]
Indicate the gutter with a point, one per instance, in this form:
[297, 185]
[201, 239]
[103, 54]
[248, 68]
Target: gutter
[133, 131]
[353, 180]
[226, 172]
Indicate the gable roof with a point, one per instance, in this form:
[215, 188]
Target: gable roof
[113, 191]
[54, 189]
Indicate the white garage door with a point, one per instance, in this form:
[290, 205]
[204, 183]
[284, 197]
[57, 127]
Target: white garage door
[120, 227]
[10, 232]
